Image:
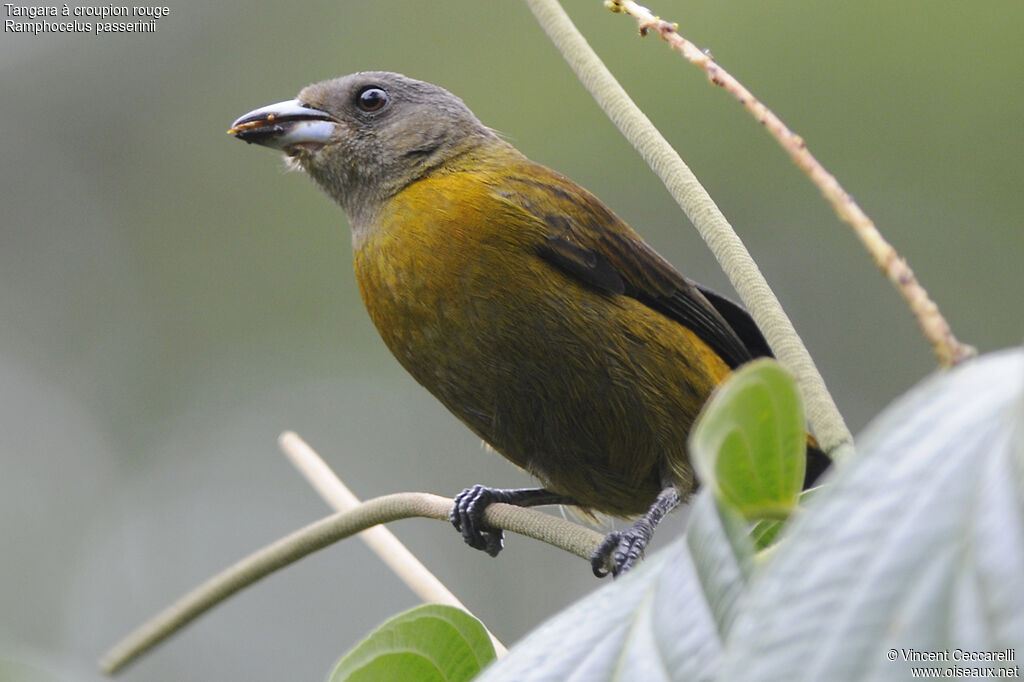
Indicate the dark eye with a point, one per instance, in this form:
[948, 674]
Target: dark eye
[372, 99]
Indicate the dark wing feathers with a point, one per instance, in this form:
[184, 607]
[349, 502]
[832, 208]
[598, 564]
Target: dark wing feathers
[589, 242]
[740, 321]
[582, 264]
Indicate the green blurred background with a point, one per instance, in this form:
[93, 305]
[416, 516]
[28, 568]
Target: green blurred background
[171, 300]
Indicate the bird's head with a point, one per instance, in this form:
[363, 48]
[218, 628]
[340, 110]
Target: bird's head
[366, 136]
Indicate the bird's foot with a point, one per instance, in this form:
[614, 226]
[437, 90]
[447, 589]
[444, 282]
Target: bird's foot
[621, 549]
[467, 516]
[468, 512]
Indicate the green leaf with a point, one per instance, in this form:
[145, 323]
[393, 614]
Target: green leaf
[722, 553]
[661, 622]
[765, 531]
[749, 443]
[429, 643]
[918, 543]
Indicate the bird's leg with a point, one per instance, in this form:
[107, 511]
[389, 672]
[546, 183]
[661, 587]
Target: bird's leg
[467, 513]
[622, 548]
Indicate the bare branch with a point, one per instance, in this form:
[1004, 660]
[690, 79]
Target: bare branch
[560, 533]
[380, 540]
[936, 329]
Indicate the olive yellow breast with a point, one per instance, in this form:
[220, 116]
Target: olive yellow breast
[592, 392]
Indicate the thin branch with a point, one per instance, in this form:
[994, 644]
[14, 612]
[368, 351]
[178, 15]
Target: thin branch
[380, 540]
[936, 329]
[825, 419]
[560, 533]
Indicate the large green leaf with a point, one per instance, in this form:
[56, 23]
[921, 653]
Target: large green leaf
[429, 643]
[659, 622]
[749, 443]
[918, 545]
[723, 554]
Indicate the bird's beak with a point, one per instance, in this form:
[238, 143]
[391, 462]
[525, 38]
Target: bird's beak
[289, 126]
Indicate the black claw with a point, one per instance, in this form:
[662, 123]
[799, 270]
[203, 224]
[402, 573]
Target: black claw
[601, 557]
[621, 549]
[468, 518]
[468, 512]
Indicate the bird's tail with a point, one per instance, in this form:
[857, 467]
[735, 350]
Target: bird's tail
[817, 463]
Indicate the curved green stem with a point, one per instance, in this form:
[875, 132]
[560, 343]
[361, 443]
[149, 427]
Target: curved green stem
[564, 534]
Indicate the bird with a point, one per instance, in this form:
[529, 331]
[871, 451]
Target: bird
[537, 316]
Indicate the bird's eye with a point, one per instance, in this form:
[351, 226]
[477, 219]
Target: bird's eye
[372, 99]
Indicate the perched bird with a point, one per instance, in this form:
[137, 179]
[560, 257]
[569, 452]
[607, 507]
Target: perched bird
[536, 315]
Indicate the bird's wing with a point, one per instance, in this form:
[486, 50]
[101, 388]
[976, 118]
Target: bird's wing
[740, 321]
[586, 240]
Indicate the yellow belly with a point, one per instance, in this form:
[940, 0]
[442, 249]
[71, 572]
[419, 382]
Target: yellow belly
[594, 393]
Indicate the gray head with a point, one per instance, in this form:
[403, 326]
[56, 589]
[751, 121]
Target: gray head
[365, 136]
